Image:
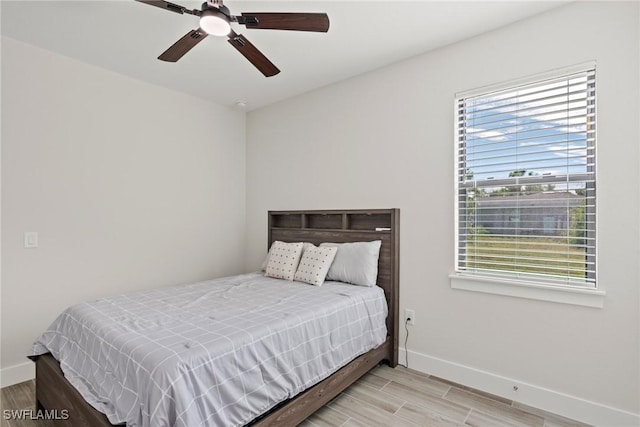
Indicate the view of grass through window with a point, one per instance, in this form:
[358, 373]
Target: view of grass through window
[532, 245]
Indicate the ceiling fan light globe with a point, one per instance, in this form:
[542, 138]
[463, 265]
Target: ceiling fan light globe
[215, 23]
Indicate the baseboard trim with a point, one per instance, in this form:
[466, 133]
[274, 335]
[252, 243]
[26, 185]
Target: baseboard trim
[531, 395]
[17, 373]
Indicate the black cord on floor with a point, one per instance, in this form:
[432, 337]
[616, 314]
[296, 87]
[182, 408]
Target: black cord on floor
[406, 339]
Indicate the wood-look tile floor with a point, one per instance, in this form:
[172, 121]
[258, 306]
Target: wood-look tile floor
[385, 397]
[403, 397]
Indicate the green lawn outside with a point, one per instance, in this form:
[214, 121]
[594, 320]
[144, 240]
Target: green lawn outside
[546, 255]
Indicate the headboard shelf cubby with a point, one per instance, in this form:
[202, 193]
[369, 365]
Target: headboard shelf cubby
[365, 220]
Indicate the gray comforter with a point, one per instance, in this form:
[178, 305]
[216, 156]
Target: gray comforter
[215, 353]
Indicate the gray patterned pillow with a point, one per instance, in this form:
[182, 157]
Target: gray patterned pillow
[283, 260]
[315, 264]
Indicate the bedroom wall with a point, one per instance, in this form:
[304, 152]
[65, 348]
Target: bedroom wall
[129, 186]
[385, 139]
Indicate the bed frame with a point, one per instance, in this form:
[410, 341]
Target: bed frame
[54, 392]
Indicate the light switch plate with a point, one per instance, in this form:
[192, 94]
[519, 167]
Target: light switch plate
[30, 239]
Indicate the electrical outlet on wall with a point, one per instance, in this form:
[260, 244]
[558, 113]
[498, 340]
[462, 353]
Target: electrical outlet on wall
[409, 316]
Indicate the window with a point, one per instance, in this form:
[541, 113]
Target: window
[526, 193]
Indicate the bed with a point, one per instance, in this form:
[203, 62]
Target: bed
[53, 391]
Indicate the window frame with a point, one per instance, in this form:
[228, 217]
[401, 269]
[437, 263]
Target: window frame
[585, 294]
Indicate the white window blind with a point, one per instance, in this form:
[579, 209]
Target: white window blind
[526, 193]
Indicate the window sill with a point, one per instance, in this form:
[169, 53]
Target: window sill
[529, 290]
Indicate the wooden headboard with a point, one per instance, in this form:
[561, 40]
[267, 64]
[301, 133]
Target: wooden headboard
[341, 226]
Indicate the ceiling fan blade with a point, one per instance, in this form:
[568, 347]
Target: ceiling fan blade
[318, 22]
[182, 46]
[170, 6]
[252, 53]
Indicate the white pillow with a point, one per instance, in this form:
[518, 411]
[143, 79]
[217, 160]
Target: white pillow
[263, 267]
[283, 260]
[315, 264]
[355, 263]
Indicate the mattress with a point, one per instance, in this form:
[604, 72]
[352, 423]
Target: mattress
[213, 353]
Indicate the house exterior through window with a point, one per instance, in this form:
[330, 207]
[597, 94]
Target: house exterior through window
[526, 182]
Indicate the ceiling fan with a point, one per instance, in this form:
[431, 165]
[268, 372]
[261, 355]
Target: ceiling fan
[215, 19]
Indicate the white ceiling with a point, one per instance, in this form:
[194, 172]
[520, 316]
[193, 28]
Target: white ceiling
[127, 36]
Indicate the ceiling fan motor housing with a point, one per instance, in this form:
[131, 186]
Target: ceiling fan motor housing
[216, 4]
